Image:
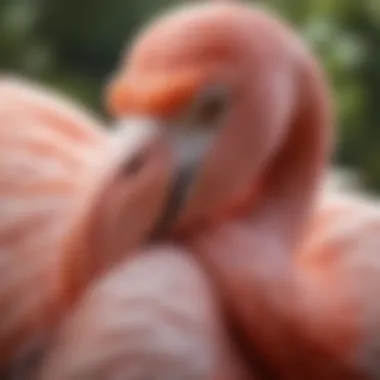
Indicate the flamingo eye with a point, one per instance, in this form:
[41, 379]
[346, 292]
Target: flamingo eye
[208, 109]
[134, 165]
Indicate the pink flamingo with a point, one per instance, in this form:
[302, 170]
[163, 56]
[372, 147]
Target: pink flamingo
[66, 187]
[243, 89]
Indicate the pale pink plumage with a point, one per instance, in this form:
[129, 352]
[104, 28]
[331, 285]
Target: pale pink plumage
[63, 177]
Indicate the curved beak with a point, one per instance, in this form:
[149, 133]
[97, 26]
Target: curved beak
[188, 154]
[188, 148]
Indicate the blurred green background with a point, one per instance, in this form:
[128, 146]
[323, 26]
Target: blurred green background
[74, 45]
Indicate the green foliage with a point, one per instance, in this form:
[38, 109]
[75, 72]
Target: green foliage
[75, 44]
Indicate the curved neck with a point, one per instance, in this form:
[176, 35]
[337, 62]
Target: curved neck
[249, 256]
[291, 180]
[90, 245]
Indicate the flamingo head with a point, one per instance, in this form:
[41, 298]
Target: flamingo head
[225, 82]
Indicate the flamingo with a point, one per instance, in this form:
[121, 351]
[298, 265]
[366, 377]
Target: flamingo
[67, 189]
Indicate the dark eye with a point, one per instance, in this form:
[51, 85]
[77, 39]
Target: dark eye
[134, 165]
[209, 108]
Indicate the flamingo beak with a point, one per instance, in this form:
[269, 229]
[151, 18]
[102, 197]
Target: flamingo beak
[188, 151]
